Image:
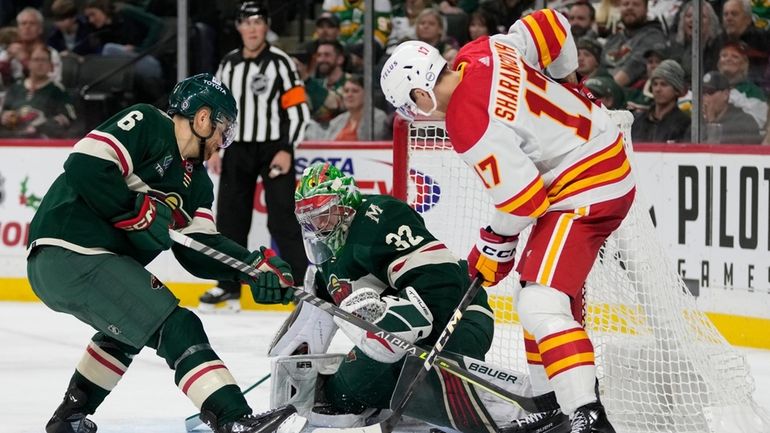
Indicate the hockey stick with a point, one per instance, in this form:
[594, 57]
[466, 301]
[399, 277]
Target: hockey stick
[194, 421]
[398, 408]
[527, 403]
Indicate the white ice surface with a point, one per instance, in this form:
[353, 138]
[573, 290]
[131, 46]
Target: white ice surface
[40, 348]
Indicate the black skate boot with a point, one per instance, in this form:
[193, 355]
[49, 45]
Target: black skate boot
[591, 418]
[216, 295]
[69, 417]
[267, 422]
[552, 421]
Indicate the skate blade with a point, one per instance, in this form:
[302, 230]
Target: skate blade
[293, 424]
[226, 307]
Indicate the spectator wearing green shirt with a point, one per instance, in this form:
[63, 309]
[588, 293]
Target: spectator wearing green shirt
[351, 16]
[324, 90]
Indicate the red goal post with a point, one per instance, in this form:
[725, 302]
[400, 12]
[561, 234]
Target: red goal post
[661, 363]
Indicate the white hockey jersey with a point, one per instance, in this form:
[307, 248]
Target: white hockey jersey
[535, 144]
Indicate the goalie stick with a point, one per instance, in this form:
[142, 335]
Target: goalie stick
[527, 403]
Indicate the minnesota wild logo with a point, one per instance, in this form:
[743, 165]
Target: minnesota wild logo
[28, 199]
[339, 289]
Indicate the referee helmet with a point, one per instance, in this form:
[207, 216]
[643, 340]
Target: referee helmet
[253, 9]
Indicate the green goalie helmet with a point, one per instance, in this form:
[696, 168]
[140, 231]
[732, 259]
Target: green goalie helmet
[205, 90]
[325, 204]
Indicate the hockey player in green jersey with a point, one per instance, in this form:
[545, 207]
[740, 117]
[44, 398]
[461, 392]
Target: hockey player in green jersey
[107, 216]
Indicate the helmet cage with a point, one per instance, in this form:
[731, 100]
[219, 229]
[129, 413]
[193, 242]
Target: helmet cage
[324, 221]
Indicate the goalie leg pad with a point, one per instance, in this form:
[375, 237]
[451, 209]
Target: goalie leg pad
[295, 379]
[308, 330]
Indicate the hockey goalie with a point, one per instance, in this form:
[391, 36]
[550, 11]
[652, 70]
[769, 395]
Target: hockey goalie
[374, 258]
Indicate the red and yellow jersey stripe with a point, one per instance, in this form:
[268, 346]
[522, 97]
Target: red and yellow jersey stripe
[531, 201]
[548, 33]
[565, 350]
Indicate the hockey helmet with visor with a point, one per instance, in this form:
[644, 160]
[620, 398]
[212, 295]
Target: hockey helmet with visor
[205, 90]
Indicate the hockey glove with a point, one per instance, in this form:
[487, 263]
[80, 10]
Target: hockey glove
[492, 257]
[409, 319]
[274, 285]
[147, 225]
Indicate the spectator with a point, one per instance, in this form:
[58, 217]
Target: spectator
[430, 29]
[30, 27]
[348, 126]
[582, 20]
[739, 27]
[734, 65]
[666, 12]
[325, 89]
[663, 122]
[725, 123]
[711, 38]
[327, 29]
[38, 107]
[481, 24]
[72, 32]
[458, 7]
[607, 90]
[623, 52]
[129, 31]
[351, 16]
[10, 67]
[404, 22]
[506, 11]
[272, 116]
[639, 95]
[589, 53]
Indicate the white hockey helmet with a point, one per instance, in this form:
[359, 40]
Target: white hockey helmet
[413, 65]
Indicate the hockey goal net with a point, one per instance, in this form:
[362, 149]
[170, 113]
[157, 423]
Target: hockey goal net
[662, 365]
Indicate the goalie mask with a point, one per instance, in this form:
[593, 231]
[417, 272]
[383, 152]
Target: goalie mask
[413, 65]
[325, 205]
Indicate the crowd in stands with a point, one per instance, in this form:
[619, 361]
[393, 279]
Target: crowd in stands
[633, 54]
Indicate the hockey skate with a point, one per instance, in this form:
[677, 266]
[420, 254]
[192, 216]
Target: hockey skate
[281, 420]
[217, 295]
[69, 416]
[591, 418]
[552, 421]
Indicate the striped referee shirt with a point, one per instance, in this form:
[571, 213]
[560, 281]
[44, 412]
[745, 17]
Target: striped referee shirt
[272, 105]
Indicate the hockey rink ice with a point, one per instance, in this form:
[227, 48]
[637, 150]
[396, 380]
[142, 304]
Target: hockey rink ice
[39, 349]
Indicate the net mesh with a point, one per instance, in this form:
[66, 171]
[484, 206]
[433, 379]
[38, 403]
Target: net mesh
[662, 365]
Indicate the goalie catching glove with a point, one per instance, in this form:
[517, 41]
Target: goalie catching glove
[492, 257]
[410, 319]
[274, 284]
[147, 225]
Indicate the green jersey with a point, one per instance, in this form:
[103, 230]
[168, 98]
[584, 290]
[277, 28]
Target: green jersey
[133, 152]
[388, 248]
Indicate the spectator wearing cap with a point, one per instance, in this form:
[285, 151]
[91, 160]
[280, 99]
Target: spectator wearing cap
[711, 38]
[589, 53]
[639, 95]
[607, 90]
[582, 20]
[623, 51]
[351, 16]
[663, 122]
[72, 32]
[734, 65]
[739, 27]
[404, 22]
[327, 29]
[725, 123]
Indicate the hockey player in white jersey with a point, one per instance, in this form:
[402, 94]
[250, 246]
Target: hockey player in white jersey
[549, 158]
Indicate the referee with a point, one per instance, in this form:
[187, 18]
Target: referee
[272, 115]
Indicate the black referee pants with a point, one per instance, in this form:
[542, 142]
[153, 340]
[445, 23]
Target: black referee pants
[242, 164]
